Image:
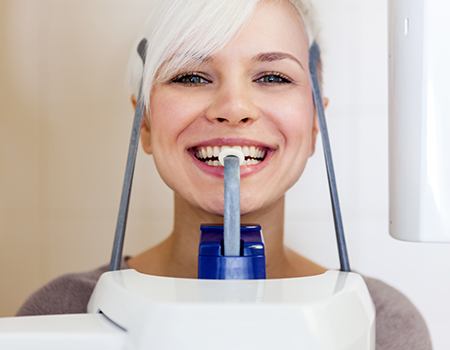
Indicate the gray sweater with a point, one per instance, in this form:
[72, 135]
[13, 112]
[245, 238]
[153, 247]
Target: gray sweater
[399, 325]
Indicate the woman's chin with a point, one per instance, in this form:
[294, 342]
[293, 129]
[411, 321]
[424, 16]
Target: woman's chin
[217, 209]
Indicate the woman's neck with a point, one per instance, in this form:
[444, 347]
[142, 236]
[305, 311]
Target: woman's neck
[177, 255]
[186, 231]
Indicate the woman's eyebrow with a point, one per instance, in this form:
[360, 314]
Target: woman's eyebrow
[275, 56]
[264, 57]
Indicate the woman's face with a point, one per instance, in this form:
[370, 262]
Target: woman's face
[254, 93]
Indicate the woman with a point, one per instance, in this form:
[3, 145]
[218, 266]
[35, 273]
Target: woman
[229, 73]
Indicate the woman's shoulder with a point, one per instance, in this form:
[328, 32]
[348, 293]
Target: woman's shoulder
[399, 325]
[67, 294]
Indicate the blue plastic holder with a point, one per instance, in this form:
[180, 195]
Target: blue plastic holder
[250, 264]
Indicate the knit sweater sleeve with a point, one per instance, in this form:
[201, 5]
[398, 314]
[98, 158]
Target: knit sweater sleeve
[68, 294]
[399, 325]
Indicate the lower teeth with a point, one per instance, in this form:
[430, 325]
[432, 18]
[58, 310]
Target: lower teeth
[213, 162]
[247, 162]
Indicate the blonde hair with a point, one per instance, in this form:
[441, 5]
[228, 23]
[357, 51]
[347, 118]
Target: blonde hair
[181, 33]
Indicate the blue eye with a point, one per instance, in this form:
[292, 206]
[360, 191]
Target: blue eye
[274, 78]
[193, 79]
[190, 79]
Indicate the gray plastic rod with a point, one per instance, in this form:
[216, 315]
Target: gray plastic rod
[232, 206]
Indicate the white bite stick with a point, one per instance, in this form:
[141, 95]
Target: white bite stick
[228, 151]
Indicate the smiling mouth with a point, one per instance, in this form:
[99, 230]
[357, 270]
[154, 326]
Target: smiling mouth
[210, 154]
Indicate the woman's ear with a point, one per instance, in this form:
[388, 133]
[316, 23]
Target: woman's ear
[146, 140]
[133, 101]
[316, 128]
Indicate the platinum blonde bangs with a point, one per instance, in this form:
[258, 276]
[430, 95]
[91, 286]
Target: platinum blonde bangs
[181, 33]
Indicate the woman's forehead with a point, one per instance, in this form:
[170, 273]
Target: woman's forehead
[275, 26]
[274, 32]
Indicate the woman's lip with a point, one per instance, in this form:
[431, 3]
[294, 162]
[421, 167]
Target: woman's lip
[246, 170]
[234, 141]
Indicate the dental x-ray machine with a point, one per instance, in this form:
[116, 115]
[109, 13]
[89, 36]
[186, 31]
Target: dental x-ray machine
[232, 305]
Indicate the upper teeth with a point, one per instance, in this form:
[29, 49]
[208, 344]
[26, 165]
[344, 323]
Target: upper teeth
[213, 151]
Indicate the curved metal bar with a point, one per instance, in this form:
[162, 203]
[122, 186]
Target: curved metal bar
[116, 255]
[314, 58]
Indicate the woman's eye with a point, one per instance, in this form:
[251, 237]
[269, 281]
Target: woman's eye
[190, 79]
[273, 79]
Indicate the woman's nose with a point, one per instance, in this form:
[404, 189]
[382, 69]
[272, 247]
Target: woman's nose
[232, 106]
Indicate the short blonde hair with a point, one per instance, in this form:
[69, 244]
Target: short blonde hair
[180, 33]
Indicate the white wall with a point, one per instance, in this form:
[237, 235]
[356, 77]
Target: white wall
[354, 36]
[64, 130]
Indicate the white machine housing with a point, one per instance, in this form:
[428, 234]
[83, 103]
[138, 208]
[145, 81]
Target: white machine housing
[419, 120]
[133, 311]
